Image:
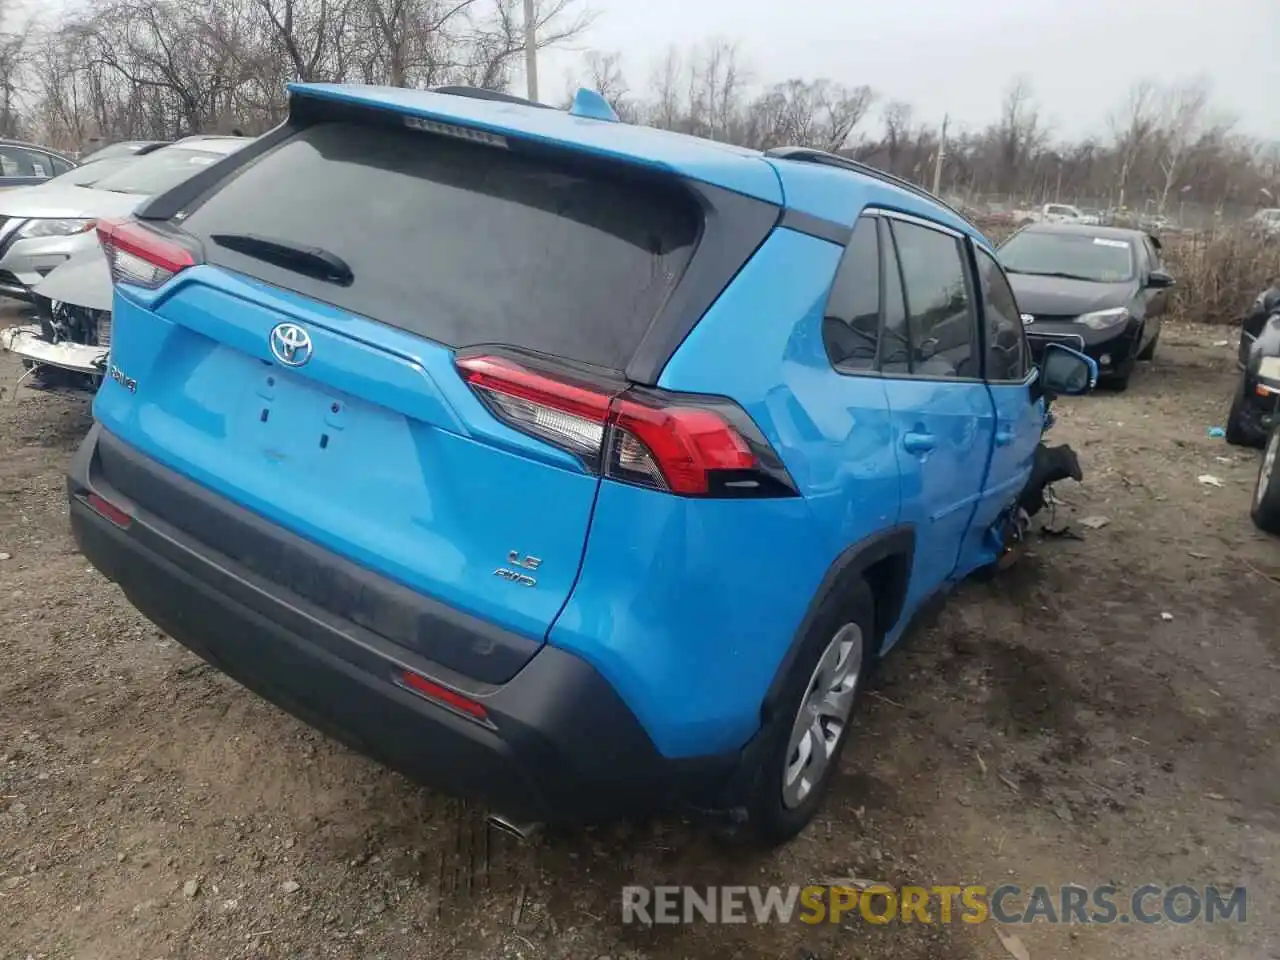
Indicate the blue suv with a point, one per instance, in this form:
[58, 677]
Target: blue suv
[573, 466]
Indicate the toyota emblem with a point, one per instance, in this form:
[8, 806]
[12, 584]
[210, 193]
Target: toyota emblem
[290, 344]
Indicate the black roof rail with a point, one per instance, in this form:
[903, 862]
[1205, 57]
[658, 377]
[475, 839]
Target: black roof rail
[810, 155]
[480, 93]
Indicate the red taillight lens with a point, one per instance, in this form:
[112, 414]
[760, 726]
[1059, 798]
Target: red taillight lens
[139, 255]
[108, 510]
[567, 415]
[450, 698]
[686, 446]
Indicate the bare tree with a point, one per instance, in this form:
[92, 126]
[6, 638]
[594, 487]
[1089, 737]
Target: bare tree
[604, 75]
[897, 116]
[1183, 109]
[666, 83]
[13, 51]
[112, 69]
[1020, 135]
[819, 114]
[1133, 125]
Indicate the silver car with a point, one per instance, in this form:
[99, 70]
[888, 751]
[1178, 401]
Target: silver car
[68, 345]
[43, 227]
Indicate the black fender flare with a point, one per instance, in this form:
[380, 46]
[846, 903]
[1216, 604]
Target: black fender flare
[851, 565]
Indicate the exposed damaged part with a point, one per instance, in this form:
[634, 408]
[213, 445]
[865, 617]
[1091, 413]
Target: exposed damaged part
[1052, 464]
[31, 344]
[67, 348]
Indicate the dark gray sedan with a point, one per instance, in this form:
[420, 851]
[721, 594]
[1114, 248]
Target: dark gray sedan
[1103, 290]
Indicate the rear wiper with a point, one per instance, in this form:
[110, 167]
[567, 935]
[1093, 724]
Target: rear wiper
[310, 261]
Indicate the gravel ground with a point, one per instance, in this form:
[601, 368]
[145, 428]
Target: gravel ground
[1105, 712]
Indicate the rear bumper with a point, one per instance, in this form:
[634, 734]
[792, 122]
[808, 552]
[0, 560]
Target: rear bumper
[557, 742]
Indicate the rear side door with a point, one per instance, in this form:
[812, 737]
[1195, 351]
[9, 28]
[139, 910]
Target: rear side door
[943, 420]
[1019, 420]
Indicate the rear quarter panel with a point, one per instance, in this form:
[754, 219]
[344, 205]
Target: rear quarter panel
[688, 606]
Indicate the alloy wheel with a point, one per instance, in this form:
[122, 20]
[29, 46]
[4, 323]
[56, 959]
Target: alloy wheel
[823, 715]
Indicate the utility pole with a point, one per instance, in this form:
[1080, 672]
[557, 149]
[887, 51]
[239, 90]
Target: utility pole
[942, 152]
[531, 49]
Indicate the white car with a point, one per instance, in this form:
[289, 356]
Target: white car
[42, 227]
[50, 241]
[1052, 213]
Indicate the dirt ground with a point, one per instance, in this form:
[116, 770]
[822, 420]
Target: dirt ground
[1105, 712]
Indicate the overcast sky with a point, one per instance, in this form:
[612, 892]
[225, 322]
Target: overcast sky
[957, 56]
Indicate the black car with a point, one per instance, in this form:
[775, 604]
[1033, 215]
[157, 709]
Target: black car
[1252, 404]
[1102, 290]
[1266, 493]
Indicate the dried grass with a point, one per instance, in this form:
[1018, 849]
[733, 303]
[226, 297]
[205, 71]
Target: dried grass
[1218, 274]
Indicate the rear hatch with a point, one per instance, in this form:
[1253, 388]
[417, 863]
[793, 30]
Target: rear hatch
[299, 353]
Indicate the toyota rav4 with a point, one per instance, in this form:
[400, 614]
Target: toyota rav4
[574, 466]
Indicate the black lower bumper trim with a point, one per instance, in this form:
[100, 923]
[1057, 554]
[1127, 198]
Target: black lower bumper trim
[558, 743]
[1116, 344]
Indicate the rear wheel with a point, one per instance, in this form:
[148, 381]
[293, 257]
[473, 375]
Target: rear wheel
[1266, 495]
[808, 733]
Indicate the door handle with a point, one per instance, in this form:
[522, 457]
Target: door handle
[919, 442]
[1004, 437]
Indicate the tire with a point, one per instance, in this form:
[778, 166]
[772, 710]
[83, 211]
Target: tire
[1237, 431]
[1118, 381]
[1266, 493]
[1149, 352]
[836, 653]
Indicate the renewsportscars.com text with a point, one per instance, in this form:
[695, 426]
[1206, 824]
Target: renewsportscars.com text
[880, 904]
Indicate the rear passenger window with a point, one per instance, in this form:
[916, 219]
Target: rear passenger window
[939, 307]
[1006, 345]
[851, 323]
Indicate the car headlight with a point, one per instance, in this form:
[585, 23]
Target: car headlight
[55, 228]
[1102, 319]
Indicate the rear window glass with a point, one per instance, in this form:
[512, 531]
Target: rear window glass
[90, 173]
[464, 243]
[157, 172]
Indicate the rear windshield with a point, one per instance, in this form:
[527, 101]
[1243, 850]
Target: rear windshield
[464, 243]
[91, 172]
[126, 148]
[157, 172]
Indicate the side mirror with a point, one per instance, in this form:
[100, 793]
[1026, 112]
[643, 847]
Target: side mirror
[1159, 280]
[1067, 372]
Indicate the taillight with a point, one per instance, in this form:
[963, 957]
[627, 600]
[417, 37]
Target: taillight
[139, 255]
[571, 417]
[688, 445]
